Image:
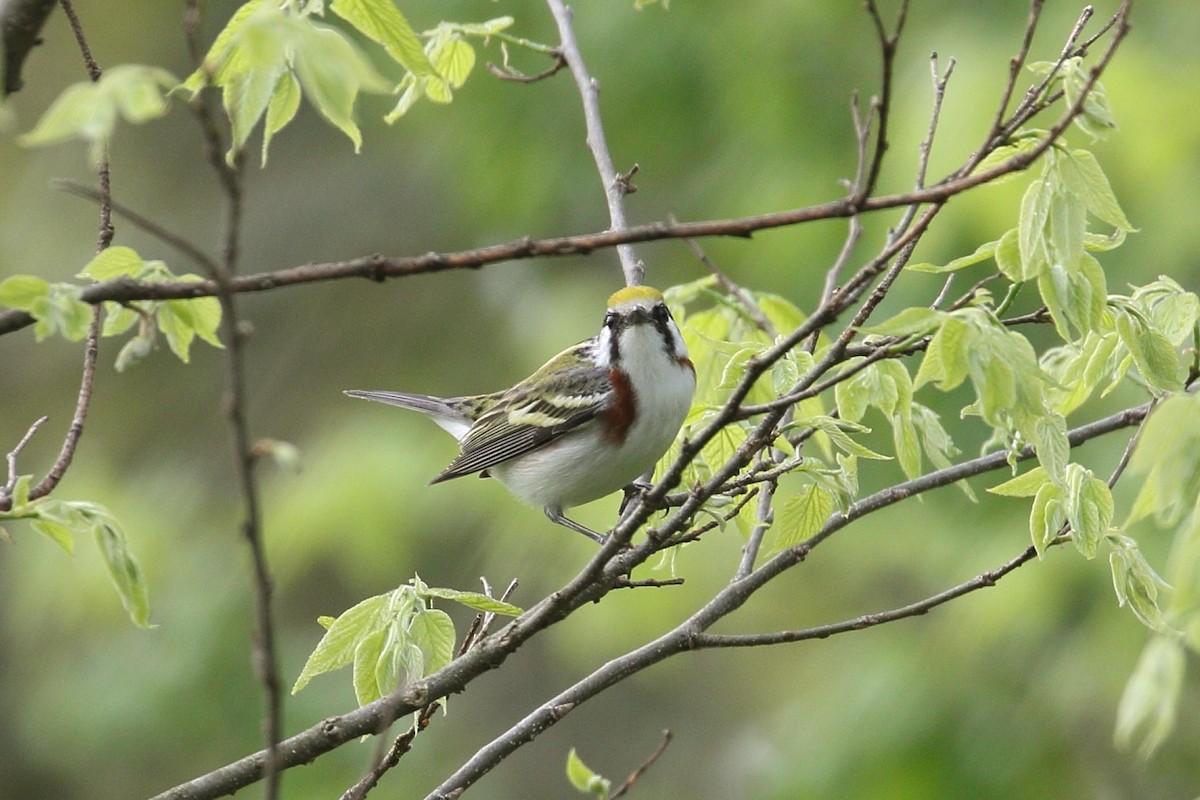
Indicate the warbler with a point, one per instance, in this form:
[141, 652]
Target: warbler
[587, 423]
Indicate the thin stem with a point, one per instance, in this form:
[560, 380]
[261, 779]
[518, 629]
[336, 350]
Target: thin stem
[636, 775]
[990, 578]
[145, 223]
[589, 92]
[265, 658]
[6, 492]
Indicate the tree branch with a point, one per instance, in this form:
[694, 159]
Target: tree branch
[222, 272]
[615, 188]
[21, 24]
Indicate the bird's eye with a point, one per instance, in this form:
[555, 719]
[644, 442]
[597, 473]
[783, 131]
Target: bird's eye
[610, 319]
[660, 313]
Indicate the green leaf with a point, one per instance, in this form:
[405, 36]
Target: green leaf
[1089, 509]
[1166, 455]
[945, 361]
[1008, 256]
[1049, 436]
[1147, 708]
[1031, 228]
[367, 654]
[26, 292]
[432, 630]
[221, 50]
[56, 530]
[782, 313]
[584, 779]
[55, 306]
[137, 91]
[123, 568]
[177, 325]
[837, 431]
[114, 262]
[802, 515]
[982, 253]
[285, 102]
[1083, 176]
[337, 647]
[1025, 485]
[1067, 224]
[1137, 584]
[1152, 353]
[332, 72]
[88, 110]
[914, 321]
[475, 600]
[454, 61]
[1046, 517]
[381, 21]
[135, 350]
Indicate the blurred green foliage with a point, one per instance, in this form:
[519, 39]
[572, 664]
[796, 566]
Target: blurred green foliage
[730, 109]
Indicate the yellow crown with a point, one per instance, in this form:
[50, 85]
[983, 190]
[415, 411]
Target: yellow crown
[630, 293]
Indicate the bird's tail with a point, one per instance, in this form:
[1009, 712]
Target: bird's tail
[442, 410]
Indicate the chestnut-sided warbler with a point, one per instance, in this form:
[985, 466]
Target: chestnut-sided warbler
[589, 422]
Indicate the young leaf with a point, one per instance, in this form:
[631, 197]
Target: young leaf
[914, 321]
[1147, 708]
[475, 600]
[285, 102]
[1031, 228]
[584, 779]
[123, 568]
[332, 72]
[1137, 584]
[337, 647]
[88, 110]
[381, 21]
[114, 262]
[1151, 352]
[802, 515]
[1084, 178]
[26, 292]
[982, 253]
[1089, 509]
[1046, 517]
[432, 630]
[367, 655]
[1024, 485]
[1008, 256]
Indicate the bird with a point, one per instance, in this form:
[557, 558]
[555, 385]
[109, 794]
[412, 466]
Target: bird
[587, 423]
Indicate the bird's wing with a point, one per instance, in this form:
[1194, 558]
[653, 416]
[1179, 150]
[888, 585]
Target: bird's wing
[524, 420]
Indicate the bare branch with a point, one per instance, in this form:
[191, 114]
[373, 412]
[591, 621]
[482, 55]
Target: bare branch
[148, 225]
[47, 484]
[6, 492]
[641, 770]
[222, 272]
[589, 92]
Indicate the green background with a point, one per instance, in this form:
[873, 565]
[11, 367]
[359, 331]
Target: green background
[730, 108]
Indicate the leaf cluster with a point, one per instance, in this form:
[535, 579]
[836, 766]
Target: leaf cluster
[63, 520]
[393, 638]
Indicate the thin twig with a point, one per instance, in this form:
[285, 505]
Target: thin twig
[983, 580]
[508, 73]
[148, 225]
[264, 656]
[91, 344]
[589, 92]
[641, 770]
[6, 492]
